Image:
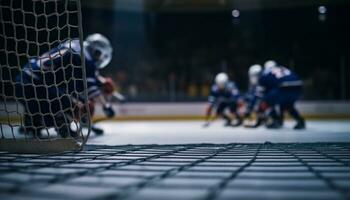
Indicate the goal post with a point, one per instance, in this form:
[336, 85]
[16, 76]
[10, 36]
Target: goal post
[43, 96]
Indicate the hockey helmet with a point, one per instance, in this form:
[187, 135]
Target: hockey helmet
[221, 79]
[254, 73]
[270, 64]
[100, 48]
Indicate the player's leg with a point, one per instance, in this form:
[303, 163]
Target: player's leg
[31, 125]
[49, 109]
[291, 95]
[272, 99]
[282, 111]
[275, 121]
[94, 128]
[300, 120]
[220, 112]
[234, 112]
[63, 122]
[296, 116]
[25, 92]
[260, 111]
[63, 116]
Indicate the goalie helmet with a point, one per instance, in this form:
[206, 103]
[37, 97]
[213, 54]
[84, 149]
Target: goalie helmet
[100, 49]
[270, 64]
[221, 80]
[254, 74]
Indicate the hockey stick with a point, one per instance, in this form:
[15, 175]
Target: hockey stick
[209, 121]
[106, 100]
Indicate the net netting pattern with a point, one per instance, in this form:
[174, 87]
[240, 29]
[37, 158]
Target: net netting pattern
[43, 86]
[196, 171]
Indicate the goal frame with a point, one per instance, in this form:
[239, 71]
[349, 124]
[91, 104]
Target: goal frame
[54, 145]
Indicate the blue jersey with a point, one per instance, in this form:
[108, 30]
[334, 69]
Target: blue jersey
[270, 80]
[228, 94]
[60, 71]
[277, 77]
[252, 91]
[252, 96]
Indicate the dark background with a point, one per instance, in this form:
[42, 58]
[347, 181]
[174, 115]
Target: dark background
[170, 50]
[173, 55]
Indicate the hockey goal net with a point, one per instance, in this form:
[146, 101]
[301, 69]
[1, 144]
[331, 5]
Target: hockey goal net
[43, 102]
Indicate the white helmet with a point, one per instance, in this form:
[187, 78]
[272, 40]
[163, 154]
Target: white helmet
[97, 43]
[270, 64]
[254, 74]
[221, 79]
[255, 70]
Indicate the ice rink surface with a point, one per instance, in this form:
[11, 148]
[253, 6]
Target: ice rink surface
[188, 132]
[229, 170]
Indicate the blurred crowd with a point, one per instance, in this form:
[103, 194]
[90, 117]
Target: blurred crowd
[173, 56]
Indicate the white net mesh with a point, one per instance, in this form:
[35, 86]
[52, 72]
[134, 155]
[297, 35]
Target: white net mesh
[43, 82]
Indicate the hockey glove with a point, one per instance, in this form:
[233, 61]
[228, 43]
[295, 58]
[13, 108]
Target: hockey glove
[108, 110]
[108, 86]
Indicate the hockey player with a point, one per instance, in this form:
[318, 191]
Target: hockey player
[252, 103]
[51, 85]
[281, 87]
[224, 95]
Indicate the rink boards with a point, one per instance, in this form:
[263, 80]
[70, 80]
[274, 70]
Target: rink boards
[193, 110]
[184, 111]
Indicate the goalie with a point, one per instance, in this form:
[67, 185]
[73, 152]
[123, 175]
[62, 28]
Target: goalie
[50, 86]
